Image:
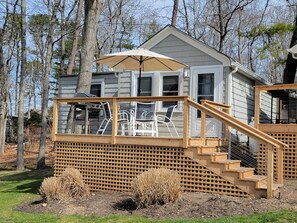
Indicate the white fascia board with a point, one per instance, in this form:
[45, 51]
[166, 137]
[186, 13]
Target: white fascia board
[188, 39]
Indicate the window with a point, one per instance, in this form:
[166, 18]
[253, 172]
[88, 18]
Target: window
[146, 86]
[170, 88]
[96, 90]
[205, 88]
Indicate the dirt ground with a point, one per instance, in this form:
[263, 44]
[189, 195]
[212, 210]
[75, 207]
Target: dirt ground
[191, 205]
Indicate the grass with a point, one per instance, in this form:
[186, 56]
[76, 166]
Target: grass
[19, 187]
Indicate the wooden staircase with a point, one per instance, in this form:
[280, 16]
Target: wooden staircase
[230, 170]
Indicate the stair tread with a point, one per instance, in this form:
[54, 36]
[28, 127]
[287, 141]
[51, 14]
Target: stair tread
[212, 153]
[228, 161]
[241, 169]
[255, 178]
[275, 186]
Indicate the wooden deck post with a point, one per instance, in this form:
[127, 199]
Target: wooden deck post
[186, 123]
[55, 120]
[270, 158]
[227, 127]
[280, 165]
[203, 126]
[114, 131]
[257, 107]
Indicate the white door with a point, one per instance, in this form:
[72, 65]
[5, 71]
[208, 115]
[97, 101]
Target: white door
[206, 83]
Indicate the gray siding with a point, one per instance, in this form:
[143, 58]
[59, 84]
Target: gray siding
[267, 108]
[180, 50]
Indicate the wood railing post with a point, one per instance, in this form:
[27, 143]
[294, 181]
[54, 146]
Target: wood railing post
[227, 127]
[186, 123]
[280, 165]
[115, 106]
[257, 107]
[203, 125]
[270, 158]
[55, 119]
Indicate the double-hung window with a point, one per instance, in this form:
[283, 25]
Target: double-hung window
[170, 88]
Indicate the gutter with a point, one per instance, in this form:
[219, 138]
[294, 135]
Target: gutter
[248, 73]
[229, 101]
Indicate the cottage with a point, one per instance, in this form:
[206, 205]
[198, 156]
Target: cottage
[109, 159]
[210, 75]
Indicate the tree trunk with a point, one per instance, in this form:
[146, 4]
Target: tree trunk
[3, 101]
[45, 87]
[20, 158]
[72, 59]
[174, 13]
[291, 63]
[62, 62]
[88, 45]
[76, 38]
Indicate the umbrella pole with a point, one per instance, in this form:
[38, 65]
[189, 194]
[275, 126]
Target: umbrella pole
[139, 81]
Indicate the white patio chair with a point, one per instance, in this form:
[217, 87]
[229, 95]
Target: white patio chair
[167, 119]
[107, 118]
[144, 119]
[123, 120]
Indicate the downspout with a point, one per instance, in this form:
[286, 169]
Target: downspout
[116, 74]
[229, 100]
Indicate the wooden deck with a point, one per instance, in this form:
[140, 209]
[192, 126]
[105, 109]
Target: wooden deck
[111, 161]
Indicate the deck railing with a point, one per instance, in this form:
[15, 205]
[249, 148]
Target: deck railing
[207, 108]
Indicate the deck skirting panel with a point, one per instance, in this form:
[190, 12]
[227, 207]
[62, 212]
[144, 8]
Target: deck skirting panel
[289, 157]
[107, 167]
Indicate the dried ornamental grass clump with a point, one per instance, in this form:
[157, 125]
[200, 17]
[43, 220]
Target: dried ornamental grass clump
[67, 186]
[156, 186]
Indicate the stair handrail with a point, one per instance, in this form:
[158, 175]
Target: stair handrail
[256, 134]
[276, 142]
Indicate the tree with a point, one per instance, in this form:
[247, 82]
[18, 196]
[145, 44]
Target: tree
[291, 63]
[75, 39]
[174, 13]
[7, 46]
[20, 131]
[92, 8]
[45, 84]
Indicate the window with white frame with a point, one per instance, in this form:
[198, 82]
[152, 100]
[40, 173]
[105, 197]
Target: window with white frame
[170, 88]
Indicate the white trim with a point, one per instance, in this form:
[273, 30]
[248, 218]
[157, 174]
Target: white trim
[218, 80]
[180, 86]
[134, 76]
[157, 83]
[186, 38]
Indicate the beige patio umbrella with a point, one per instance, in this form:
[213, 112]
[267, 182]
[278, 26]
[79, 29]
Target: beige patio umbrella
[142, 60]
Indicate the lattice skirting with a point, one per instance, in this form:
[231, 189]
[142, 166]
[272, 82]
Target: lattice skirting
[289, 159]
[112, 167]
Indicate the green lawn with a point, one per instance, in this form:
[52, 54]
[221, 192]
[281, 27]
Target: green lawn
[19, 187]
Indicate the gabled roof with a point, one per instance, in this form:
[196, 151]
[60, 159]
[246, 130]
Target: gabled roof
[223, 58]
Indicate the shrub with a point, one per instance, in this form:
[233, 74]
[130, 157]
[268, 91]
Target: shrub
[67, 186]
[156, 186]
